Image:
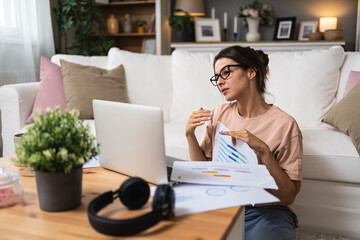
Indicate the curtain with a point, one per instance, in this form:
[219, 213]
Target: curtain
[25, 35]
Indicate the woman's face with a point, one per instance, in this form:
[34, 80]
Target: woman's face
[236, 80]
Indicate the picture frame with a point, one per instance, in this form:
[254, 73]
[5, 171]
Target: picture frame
[307, 27]
[148, 46]
[284, 28]
[207, 30]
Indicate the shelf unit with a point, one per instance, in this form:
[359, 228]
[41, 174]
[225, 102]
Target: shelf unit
[140, 10]
[264, 45]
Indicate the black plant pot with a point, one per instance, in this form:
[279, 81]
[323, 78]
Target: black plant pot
[184, 36]
[59, 191]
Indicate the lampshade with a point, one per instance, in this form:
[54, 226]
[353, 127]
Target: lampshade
[327, 23]
[193, 7]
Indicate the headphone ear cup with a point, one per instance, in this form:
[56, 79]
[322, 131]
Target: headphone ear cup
[134, 193]
[164, 201]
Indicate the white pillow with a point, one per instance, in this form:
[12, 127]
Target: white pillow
[96, 61]
[192, 88]
[148, 77]
[305, 83]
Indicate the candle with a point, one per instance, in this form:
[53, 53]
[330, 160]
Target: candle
[235, 24]
[212, 12]
[225, 20]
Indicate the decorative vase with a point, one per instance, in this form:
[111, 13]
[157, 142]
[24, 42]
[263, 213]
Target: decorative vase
[59, 191]
[112, 24]
[127, 23]
[253, 34]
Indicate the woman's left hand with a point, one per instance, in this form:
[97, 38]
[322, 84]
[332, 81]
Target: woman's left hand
[244, 135]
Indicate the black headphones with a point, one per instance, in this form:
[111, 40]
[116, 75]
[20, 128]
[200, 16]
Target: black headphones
[133, 193]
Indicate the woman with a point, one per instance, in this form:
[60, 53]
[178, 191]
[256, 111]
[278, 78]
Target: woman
[274, 136]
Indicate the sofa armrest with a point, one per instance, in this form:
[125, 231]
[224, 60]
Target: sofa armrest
[16, 101]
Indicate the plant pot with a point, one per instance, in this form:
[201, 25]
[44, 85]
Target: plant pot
[184, 36]
[59, 191]
[140, 29]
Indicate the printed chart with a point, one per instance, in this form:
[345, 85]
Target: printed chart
[224, 150]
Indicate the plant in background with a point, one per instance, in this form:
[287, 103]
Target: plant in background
[257, 9]
[57, 142]
[82, 16]
[184, 22]
[140, 23]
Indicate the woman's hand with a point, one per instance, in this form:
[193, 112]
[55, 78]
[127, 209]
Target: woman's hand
[197, 118]
[244, 135]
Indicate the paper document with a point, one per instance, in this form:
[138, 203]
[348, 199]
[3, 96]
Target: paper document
[225, 151]
[223, 174]
[93, 162]
[194, 198]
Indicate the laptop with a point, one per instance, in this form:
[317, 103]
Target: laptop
[131, 140]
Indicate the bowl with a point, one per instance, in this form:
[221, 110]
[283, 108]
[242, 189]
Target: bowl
[333, 34]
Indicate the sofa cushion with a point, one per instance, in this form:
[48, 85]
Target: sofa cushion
[82, 84]
[148, 77]
[96, 61]
[50, 92]
[346, 116]
[191, 86]
[304, 84]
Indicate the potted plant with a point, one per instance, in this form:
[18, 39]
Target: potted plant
[183, 25]
[78, 17]
[256, 14]
[56, 146]
[140, 26]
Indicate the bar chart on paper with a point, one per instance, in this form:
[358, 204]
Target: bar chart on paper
[225, 151]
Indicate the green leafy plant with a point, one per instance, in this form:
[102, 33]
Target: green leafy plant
[82, 16]
[184, 21]
[57, 142]
[257, 9]
[140, 23]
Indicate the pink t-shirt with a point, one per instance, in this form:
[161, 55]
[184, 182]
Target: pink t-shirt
[276, 128]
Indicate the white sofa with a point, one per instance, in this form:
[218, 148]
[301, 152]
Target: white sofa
[305, 84]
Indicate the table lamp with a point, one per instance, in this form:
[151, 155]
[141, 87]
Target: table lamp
[193, 7]
[328, 25]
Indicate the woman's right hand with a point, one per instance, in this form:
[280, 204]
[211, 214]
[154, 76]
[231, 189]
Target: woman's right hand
[197, 118]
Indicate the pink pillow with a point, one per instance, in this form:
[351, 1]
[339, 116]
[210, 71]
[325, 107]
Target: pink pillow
[50, 92]
[354, 78]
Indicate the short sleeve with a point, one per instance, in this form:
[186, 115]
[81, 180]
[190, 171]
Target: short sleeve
[290, 158]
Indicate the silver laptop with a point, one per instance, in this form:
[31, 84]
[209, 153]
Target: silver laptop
[131, 139]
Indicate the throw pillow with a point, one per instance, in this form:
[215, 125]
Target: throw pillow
[50, 92]
[354, 78]
[82, 84]
[304, 83]
[148, 77]
[346, 116]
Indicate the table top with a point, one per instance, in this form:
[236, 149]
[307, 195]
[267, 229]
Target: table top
[25, 220]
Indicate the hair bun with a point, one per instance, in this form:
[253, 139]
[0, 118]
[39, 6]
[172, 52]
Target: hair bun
[264, 58]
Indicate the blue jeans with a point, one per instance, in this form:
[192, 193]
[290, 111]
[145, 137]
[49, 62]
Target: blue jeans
[269, 223]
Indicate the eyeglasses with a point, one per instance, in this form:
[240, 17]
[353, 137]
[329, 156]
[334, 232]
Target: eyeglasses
[224, 73]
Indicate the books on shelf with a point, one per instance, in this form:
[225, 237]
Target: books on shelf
[152, 24]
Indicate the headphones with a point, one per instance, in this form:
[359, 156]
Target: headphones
[133, 193]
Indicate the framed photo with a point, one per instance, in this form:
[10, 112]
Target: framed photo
[284, 28]
[207, 30]
[148, 46]
[307, 27]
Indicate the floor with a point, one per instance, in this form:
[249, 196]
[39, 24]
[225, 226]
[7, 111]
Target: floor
[304, 235]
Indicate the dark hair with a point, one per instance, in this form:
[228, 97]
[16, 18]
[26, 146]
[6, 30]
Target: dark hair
[247, 56]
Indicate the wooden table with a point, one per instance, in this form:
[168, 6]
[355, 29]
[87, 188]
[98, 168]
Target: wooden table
[26, 220]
